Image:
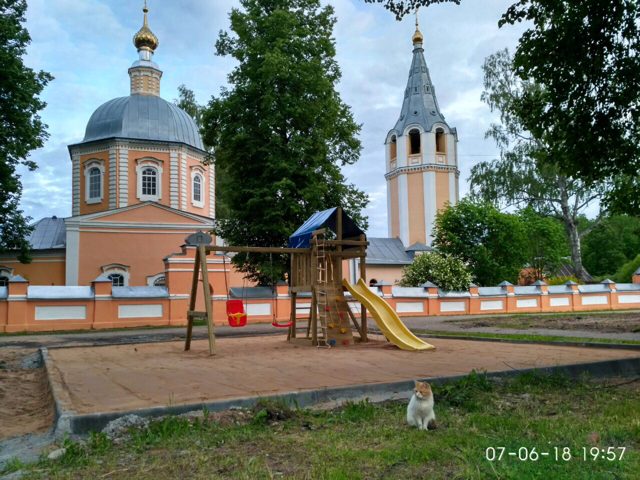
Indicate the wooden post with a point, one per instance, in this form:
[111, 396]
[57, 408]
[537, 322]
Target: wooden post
[313, 324]
[363, 275]
[338, 269]
[192, 300]
[207, 299]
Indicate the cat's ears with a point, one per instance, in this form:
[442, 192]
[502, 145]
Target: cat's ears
[416, 382]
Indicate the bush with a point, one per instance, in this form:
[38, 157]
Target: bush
[626, 271]
[446, 272]
[562, 279]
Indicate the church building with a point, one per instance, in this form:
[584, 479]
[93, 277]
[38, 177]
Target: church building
[140, 186]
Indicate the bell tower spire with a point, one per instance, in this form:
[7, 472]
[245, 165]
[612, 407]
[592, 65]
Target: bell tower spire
[144, 73]
[421, 157]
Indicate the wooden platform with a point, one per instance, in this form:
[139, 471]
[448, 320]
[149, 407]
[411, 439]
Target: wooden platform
[124, 377]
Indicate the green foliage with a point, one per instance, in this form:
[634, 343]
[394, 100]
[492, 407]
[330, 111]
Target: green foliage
[358, 411]
[488, 241]
[282, 133]
[611, 244]
[562, 279]
[546, 244]
[445, 271]
[626, 271]
[587, 56]
[21, 129]
[462, 392]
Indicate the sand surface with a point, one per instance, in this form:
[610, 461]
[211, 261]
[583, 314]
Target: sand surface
[25, 401]
[124, 377]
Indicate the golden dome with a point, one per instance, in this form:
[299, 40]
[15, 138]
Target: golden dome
[417, 37]
[145, 39]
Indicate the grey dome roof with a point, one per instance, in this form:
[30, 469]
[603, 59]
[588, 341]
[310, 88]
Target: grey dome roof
[143, 117]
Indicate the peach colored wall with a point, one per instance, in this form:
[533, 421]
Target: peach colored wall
[395, 213]
[3, 315]
[146, 214]
[42, 271]
[104, 205]
[142, 252]
[416, 208]
[204, 210]
[442, 189]
[390, 274]
[134, 155]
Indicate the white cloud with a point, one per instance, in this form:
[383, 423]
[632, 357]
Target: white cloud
[87, 47]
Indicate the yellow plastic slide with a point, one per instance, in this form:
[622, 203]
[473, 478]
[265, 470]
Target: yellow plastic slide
[386, 319]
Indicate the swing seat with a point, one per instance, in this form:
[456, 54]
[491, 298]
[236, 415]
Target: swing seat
[281, 325]
[236, 314]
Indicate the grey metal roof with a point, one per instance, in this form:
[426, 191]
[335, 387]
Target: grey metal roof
[37, 292]
[420, 105]
[387, 251]
[140, 292]
[453, 294]
[251, 292]
[566, 270]
[420, 247]
[529, 290]
[143, 117]
[628, 287]
[491, 291]
[598, 288]
[4, 292]
[637, 272]
[48, 233]
[560, 289]
[415, 292]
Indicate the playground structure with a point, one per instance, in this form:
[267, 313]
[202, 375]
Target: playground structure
[316, 268]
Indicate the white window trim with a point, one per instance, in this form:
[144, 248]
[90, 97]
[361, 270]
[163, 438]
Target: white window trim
[149, 162]
[152, 279]
[117, 268]
[198, 171]
[88, 165]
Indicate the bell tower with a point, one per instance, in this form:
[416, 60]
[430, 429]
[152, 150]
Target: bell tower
[421, 157]
[145, 74]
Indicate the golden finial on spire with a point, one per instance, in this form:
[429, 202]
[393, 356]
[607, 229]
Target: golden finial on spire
[145, 39]
[417, 37]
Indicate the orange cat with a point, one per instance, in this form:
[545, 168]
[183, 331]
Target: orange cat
[420, 410]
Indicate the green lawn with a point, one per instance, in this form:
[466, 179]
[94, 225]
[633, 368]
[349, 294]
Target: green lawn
[363, 440]
[526, 336]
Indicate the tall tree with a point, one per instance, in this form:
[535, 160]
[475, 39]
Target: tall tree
[611, 244]
[491, 243]
[282, 132]
[187, 101]
[21, 129]
[586, 54]
[524, 175]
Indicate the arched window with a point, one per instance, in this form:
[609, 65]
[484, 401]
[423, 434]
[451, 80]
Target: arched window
[159, 282]
[4, 281]
[149, 182]
[197, 188]
[117, 280]
[373, 282]
[94, 183]
[415, 141]
[393, 148]
[441, 143]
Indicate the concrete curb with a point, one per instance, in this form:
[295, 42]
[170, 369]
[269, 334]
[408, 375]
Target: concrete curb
[70, 422]
[560, 343]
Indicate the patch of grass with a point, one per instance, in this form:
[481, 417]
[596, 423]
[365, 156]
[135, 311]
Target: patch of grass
[366, 440]
[527, 336]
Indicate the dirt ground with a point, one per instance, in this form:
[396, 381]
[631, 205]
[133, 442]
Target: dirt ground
[25, 402]
[624, 322]
[124, 377]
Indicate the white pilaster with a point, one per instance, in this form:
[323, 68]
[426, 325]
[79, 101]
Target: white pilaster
[429, 147]
[76, 185]
[174, 180]
[123, 183]
[402, 151]
[453, 191]
[183, 183]
[212, 190]
[403, 208]
[389, 209]
[429, 188]
[113, 165]
[387, 156]
[72, 258]
[451, 150]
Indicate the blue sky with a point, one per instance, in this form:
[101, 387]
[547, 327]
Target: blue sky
[87, 46]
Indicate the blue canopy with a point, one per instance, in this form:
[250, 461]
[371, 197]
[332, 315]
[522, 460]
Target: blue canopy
[301, 237]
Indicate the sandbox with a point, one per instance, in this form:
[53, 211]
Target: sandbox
[128, 377]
